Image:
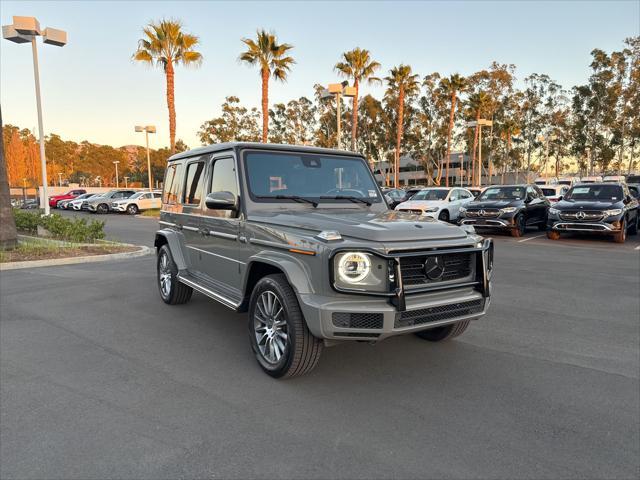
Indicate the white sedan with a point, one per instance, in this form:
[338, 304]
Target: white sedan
[438, 202]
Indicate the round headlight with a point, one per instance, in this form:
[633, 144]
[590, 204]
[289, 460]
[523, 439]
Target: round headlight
[354, 267]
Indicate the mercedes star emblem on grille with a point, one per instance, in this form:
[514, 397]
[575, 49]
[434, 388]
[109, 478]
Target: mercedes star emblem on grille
[481, 213]
[581, 215]
[434, 268]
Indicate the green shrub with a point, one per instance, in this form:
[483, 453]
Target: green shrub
[69, 229]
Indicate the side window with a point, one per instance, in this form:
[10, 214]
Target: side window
[531, 193]
[172, 184]
[193, 185]
[455, 195]
[224, 176]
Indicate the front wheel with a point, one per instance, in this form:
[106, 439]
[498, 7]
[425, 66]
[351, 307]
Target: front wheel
[132, 209]
[553, 235]
[621, 236]
[102, 208]
[283, 345]
[440, 334]
[444, 216]
[519, 228]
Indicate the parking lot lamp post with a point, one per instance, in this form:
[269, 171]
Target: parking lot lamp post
[126, 182]
[116, 162]
[480, 123]
[59, 179]
[338, 90]
[25, 30]
[147, 130]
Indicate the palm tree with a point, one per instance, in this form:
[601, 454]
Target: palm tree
[358, 66]
[166, 45]
[452, 86]
[403, 82]
[478, 102]
[272, 59]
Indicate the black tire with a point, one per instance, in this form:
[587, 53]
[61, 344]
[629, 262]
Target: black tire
[440, 334]
[553, 235]
[444, 216]
[621, 236]
[102, 208]
[520, 227]
[301, 349]
[633, 230]
[132, 209]
[177, 293]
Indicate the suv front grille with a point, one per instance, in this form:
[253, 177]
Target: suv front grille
[581, 215]
[357, 320]
[483, 213]
[433, 314]
[411, 210]
[456, 267]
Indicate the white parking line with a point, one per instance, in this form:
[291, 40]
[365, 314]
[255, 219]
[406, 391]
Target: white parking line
[530, 238]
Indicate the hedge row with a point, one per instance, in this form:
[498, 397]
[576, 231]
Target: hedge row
[63, 228]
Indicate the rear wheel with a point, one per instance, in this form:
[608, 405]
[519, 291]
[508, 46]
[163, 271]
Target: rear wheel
[519, 228]
[444, 216]
[132, 209]
[621, 236]
[446, 332]
[102, 208]
[172, 291]
[283, 345]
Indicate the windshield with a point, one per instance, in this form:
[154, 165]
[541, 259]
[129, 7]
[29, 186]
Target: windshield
[633, 179]
[503, 193]
[431, 194]
[564, 182]
[136, 195]
[317, 177]
[549, 192]
[599, 193]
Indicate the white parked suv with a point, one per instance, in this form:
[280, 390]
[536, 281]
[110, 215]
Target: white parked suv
[442, 203]
[138, 202]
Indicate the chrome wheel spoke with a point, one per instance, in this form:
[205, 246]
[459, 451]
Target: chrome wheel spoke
[269, 325]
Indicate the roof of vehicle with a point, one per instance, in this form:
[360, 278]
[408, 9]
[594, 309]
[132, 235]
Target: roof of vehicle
[599, 184]
[259, 146]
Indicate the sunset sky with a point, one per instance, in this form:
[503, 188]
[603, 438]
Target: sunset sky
[92, 90]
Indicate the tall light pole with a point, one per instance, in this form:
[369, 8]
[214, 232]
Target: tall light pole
[545, 139]
[25, 30]
[59, 179]
[147, 130]
[116, 162]
[338, 90]
[480, 123]
[126, 182]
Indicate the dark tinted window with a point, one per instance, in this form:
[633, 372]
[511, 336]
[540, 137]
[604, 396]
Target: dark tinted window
[172, 183]
[193, 185]
[549, 192]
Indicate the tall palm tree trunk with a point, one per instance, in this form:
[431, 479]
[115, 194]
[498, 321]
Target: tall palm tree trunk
[265, 104]
[396, 167]
[451, 114]
[473, 154]
[8, 234]
[171, 104]
[354, 116]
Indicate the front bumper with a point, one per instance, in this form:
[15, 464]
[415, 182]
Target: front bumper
[497, 222]
[117, 207]
[374, 318]
[611, 226]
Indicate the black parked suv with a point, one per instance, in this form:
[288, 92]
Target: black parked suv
[507, 207]
[602, 208]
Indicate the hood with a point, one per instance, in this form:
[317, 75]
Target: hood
[421, 203]
[585, 204]
[387, 226]
[493, 204]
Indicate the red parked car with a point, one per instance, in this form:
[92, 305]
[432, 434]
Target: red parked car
[53, 201]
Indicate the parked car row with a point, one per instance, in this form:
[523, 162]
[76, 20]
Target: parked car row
[118, 200]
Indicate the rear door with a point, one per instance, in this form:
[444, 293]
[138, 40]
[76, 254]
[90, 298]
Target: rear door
[190, 217]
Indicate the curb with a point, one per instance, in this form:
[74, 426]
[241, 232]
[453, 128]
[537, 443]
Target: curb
[147, 217]
[142, 251]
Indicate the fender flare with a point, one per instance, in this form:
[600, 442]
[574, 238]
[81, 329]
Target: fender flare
[175, 241]
[297, 272]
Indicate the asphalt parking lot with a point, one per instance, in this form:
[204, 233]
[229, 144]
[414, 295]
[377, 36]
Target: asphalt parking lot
[100, 379]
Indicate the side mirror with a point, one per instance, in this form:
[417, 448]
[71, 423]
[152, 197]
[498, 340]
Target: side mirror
[221, 201]
[560, 198]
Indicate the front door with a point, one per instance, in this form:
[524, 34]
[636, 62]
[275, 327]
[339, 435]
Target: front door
[222, 264]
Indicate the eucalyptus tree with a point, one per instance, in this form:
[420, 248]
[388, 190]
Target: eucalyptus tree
[401, 83]
[371, 140]
[301, 120]
[8, 233]
[477, 105]
[165, 45]
[237, 123]
[358, 66]
[273, 60]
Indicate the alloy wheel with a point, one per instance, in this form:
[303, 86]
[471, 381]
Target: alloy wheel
[164, 275]
[270, 327]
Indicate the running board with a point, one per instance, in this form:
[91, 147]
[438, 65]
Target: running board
[209, 293]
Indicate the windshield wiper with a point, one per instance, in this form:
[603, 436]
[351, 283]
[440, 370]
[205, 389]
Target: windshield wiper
[347, 197]
[295, 198]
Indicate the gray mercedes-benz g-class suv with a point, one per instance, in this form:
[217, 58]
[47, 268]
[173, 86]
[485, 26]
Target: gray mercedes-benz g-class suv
[303, 240]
